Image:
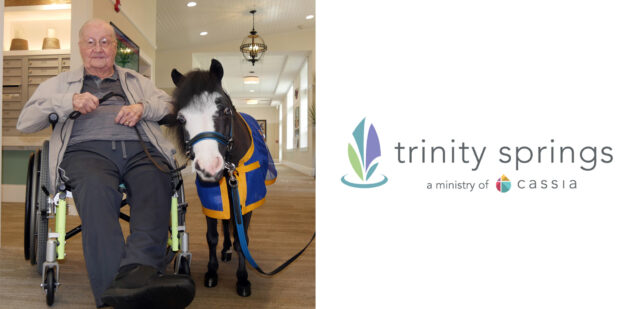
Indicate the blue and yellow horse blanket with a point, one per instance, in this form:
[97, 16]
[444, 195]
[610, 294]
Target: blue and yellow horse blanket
[254, 172]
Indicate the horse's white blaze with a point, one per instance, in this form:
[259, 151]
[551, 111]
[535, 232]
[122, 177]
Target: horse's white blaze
[199, 116]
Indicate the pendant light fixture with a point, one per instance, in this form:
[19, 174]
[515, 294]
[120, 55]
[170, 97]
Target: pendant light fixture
[253, 46]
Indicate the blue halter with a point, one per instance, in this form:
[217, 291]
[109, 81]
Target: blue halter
[208, 135]
[220, 138]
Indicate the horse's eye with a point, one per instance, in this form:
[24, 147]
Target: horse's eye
[227, 111]
[181, 119]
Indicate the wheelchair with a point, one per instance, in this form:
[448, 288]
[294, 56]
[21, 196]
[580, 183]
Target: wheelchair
[44, 247]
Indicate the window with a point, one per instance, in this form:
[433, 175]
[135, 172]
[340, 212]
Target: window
[304, 104]
[280, 111]
[289, 101]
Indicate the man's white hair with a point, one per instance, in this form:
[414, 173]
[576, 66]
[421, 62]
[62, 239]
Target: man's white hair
[96, 21]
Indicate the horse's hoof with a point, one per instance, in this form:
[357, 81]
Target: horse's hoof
[243, 289]
[210, 280]
[225, 256]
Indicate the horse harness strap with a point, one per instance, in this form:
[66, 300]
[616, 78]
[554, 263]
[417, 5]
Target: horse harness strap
[76, 114]
[220, 138]
[242, 238]
[209, 135]
[173, 172]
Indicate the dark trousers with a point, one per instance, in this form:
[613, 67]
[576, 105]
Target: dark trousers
[95, 169]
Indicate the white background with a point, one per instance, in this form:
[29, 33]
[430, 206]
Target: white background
[489, 73]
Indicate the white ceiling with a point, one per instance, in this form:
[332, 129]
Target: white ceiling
[178, 27]
[276, 73]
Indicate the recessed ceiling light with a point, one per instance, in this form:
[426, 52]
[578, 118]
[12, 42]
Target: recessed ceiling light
[252, 90]
[203, 33]
[309, 16]
[252, 101]
[251, 80]
[191, 4]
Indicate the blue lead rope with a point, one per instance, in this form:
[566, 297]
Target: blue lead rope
[243, 239]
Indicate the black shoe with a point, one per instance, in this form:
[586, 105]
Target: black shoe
[142, 286]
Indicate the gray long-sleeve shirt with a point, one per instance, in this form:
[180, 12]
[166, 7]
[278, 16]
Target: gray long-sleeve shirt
[100, 125]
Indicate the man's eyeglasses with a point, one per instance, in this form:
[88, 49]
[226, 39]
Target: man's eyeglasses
[92, 43]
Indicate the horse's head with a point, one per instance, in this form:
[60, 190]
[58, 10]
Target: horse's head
[204, 115]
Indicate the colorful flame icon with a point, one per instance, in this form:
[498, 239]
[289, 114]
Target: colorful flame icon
[503, 184]
[362, 159]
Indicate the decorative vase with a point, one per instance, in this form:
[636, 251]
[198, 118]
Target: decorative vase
[50, 43]
[19, 44]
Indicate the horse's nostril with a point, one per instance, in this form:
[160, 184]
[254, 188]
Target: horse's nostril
[209, 169]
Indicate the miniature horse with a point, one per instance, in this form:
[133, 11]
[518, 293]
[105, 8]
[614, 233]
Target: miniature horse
[201, 105]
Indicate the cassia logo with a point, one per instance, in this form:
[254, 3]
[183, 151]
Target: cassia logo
[503, 184]
[364, 160]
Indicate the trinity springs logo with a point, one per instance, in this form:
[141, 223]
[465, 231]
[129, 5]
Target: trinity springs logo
[363, 161]
[424, 153]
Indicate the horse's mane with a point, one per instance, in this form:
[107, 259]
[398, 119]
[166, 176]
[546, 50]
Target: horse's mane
[193, 84]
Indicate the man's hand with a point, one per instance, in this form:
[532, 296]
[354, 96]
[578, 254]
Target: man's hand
[129, 115]
[85, 102]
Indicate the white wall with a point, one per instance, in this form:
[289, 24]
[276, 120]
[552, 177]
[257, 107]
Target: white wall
[270, 114]
[81, 11]
[137, 21]
[142, 13]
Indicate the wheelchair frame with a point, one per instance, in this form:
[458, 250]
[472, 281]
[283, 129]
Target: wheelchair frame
[44, 247]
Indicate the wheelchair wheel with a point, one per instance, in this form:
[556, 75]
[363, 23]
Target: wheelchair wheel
[35, 185]
[43, 220]
[50, 286]
[43, 233]
[29, 213]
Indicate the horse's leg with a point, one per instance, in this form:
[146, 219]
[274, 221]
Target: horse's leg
[225, 255]
[211, 277]
[243, 286]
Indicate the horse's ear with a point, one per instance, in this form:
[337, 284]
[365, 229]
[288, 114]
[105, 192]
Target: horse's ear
[176, 76]
[216, 70]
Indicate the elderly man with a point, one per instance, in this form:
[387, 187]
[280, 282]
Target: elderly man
[101, 149]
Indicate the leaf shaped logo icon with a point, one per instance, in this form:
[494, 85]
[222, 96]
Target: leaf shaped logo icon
[363, 156]
[355, 162]
[373, 151]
